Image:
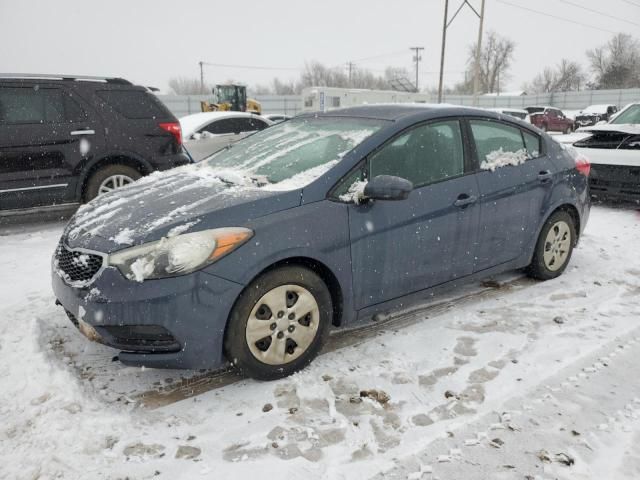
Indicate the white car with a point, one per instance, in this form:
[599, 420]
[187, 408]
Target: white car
[207, 132]
[614, 152]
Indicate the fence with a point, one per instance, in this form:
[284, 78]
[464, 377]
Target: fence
[181, 105]
[562, 100]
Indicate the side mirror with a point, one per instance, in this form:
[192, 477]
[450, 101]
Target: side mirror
[388, 187]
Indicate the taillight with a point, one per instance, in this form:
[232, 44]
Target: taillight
[583, 165]
[174, 129]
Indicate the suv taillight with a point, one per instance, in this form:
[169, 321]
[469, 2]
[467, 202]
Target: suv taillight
[583, 165]
[174, 129]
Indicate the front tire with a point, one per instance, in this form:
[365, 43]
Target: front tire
[279, 323]
[554, 247]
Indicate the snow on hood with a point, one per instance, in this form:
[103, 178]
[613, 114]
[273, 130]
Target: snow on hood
[632, 129]
[170, 203]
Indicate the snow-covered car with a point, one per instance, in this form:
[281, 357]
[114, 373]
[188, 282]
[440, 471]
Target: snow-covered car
[594, 114]
[325, 220]
[277, 117]
[207, 132]
[513, 112]
[614, 152]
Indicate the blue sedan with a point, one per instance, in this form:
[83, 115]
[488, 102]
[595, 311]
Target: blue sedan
[252, 255]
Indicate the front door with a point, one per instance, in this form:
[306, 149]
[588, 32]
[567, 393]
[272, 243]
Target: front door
[515, 180]
[400, 247]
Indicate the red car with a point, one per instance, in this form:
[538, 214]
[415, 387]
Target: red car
[550, 119]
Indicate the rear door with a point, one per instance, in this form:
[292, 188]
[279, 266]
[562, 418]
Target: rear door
[515, 181]
[400, 247]
[43, 132]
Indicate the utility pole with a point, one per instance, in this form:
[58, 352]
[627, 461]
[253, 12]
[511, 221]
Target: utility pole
[444, 42]
[445, 26]
[476, 73]
[201, 63]
[416, 58]
[350, 66]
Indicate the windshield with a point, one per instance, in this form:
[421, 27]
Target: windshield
[630, 115]
[297, 151]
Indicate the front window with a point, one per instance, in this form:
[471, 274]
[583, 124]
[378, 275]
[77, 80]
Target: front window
[630, 115]
[294, 153]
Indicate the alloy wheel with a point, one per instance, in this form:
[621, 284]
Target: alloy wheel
[114, 181]
[282, 324]
[557, 246]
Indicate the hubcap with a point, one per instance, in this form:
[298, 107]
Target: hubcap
[114, 181]
[296, 316]
[557, 246]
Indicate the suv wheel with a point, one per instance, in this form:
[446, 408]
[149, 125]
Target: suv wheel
[279, 323]
[109, 178]
[554, 247]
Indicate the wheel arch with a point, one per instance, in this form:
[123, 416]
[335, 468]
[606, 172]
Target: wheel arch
[115, 158]
[322, 270]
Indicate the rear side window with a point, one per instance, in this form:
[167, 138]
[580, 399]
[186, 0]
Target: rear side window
[30, 105]
[133, 104]
[532, 143]
[498, 144]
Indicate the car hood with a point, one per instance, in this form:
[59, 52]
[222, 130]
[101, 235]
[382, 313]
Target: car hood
[189, 198]
[629, 128]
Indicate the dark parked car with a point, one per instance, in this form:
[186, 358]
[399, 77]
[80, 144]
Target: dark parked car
[594, 114]
[324, 220]
[550, 119]
[64, 140]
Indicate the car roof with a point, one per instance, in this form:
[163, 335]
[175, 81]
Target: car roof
[396, 111]
[195, 121]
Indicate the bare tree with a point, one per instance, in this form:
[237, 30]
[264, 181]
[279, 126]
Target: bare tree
[566, 76]
[188, 86]
[495, 60]
[617, 63]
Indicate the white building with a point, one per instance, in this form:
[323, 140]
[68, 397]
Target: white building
[328, 98]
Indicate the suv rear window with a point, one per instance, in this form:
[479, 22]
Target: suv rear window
[134, 104]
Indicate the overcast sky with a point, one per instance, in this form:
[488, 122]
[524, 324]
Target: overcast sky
[149, 42]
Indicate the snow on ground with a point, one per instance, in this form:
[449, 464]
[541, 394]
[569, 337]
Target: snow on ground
[508, 379]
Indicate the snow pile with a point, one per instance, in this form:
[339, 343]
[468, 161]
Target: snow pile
[355, 193]
[499, 158]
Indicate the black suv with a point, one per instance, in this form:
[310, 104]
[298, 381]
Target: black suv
[65, 140]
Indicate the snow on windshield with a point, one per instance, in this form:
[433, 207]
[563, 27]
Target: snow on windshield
[297, 151]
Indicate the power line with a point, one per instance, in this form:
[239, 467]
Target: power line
[557, 17]
[252, 67]
[631, 3]
[600, 13]
[383, 55]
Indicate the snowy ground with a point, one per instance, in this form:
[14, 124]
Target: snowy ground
[507, 380]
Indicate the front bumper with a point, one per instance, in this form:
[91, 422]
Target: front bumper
[167, 323]
[615, 182]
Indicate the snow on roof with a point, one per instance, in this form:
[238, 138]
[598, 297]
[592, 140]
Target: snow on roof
[193, 122]
[596, 109]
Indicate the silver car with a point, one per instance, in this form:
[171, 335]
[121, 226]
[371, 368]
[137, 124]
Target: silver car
[207, 132]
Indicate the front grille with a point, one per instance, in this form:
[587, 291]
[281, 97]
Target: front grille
[139, 338]
[77, 266]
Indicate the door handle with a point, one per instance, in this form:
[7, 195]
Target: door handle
[545, 176]
[464, 199]
[86, 131]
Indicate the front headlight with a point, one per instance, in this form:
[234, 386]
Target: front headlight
[179, 255]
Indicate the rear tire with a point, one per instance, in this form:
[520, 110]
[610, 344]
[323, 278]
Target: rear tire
[109, 177]
[554, 247]
[279, 323]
